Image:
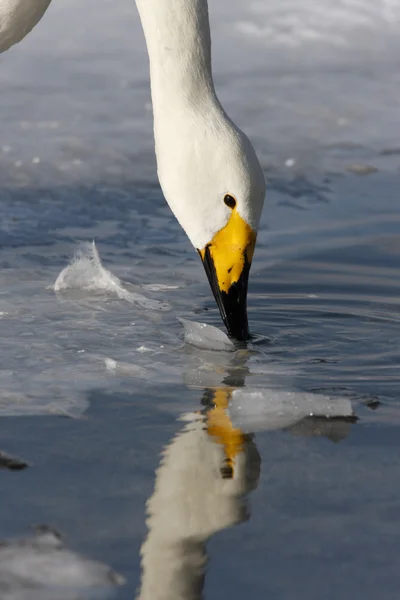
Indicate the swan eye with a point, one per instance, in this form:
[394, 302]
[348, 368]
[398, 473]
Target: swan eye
[230, 201]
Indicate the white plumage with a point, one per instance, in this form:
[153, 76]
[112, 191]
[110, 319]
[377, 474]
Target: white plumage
[201, 154]
[17, 18]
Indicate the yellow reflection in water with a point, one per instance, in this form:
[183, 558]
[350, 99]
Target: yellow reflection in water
[219, 427]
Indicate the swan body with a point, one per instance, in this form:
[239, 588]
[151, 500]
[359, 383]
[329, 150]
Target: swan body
[17, 18]
[207, 167]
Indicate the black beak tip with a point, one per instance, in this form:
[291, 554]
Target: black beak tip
[234, 314]
[233, 303]
[240, 335]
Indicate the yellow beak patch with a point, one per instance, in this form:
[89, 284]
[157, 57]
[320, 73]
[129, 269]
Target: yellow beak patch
[230, 249]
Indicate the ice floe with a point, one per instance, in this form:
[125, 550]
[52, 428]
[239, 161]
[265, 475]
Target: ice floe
[86, 272]
[41, 567]
[269, 409]
[206, 337]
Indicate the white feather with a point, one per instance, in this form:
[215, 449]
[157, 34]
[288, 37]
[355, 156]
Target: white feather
[201, 154]
[17, 18]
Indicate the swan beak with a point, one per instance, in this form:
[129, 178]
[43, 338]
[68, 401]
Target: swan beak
[227, 260]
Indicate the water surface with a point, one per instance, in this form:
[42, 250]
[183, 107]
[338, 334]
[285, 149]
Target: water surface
[100, 394]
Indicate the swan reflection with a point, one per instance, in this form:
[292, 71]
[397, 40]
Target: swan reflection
[209, 468]
[200, 489]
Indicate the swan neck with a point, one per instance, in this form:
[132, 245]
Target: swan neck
[178, 41]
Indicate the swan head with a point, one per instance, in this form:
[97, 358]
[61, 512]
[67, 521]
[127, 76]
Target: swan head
[214, 184]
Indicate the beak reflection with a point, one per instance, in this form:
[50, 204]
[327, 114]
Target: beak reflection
[220, 428]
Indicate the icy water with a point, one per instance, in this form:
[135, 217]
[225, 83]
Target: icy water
[249, 489]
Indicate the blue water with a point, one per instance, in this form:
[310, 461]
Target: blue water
[324, 292]
[94, 386]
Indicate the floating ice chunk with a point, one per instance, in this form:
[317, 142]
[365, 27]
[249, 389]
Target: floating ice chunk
[125, 369]
[154, 372]
[14, 404]
[86, 272]
[143, 349]
[206, 337]
[111, 364]
[40, 567]
[269, 409]
[160, 287]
